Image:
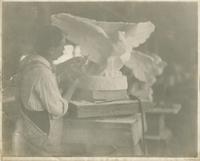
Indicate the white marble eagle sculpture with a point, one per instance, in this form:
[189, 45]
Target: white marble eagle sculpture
[111, 45]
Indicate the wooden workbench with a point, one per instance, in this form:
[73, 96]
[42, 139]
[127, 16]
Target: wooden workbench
[104, 137]
[95, 116]
[158, 134]
[104, 128]
[155, 123]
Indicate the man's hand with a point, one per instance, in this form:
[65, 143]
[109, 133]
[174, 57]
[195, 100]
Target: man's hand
[76, 67]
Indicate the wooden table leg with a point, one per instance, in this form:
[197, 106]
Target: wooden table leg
[137, 149]
[136, 131]
[165, 135]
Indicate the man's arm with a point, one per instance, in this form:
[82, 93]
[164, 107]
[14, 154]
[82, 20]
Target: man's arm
[50, 96]
[68, 94]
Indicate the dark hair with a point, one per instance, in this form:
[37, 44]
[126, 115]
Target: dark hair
[46, 37]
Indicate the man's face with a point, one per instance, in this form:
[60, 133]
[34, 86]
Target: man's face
[59, 50]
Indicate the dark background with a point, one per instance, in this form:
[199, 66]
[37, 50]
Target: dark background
[175, 40]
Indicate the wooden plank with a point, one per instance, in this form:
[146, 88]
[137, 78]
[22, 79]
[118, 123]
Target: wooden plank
[165, 134]
[86, 109]
[165, 110]
[102, 95]
[110, 95]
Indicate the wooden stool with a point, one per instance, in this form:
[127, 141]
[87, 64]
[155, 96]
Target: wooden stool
[157, 131]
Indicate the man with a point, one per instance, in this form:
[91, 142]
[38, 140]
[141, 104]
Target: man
[42, 105]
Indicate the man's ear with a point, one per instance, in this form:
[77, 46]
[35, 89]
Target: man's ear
[52, 51]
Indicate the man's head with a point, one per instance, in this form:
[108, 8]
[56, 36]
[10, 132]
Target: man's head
[49, 42]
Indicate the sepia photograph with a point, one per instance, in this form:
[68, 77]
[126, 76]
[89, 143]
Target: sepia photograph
[100, 79]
